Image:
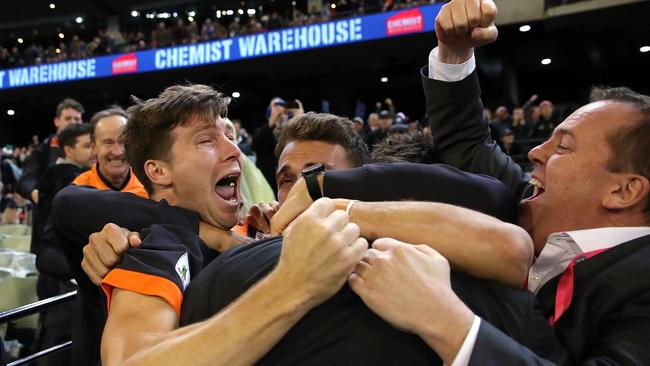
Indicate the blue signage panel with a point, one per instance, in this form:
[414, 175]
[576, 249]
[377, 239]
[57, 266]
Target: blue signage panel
[345, 31]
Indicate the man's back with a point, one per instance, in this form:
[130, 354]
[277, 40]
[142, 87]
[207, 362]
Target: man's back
[343, 331]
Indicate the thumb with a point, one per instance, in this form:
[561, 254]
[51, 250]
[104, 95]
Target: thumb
[483, 36]
[134, 239]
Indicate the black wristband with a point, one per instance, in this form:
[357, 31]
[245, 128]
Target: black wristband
[312, 186]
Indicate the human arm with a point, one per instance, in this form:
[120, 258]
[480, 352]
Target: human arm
[460, 133]
[33, 167]
[472, 241]
[319, 252]
[410, 287]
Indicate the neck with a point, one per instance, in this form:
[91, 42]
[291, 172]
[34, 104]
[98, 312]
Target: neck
[115, 181]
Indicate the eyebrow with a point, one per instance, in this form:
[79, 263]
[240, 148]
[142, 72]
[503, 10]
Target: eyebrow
[564, 131]
[284, 170]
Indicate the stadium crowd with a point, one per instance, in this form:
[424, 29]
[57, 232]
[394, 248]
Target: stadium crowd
[320, 239]
[179, 30]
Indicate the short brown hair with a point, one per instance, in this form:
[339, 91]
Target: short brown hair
[70, 134]
[412, 147]
[327, 128]
[630, 144]
[69, 103]
[114, 110]
[147, 132]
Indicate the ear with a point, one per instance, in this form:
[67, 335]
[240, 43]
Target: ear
[159, 172]
[628, 190]
[67, 151]
[56, 122]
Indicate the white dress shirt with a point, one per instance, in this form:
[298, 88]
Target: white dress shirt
[560, 247]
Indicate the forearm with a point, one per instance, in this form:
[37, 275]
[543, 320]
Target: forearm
[473, 242]
[239, 335]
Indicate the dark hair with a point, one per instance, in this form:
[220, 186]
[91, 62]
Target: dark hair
[412, 147]
[630, 144]
[147, 132]
[114, 110]
[68, 136]
[69, 103]
[328, 128]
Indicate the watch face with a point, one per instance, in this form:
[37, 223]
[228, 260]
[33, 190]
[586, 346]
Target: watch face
[314, 169]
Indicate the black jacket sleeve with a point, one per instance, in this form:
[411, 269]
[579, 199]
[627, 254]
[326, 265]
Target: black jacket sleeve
[461, 134]
[423, 182]
[79, 211]
[33, 167]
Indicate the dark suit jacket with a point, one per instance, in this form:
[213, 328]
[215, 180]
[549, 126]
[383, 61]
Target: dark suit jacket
[609, 318]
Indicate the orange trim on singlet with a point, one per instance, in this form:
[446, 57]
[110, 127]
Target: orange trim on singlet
[144, 284]
[91, 178]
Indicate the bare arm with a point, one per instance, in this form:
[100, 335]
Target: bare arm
[472, 242]
[139, 329]
[320, 250]
[476, 243]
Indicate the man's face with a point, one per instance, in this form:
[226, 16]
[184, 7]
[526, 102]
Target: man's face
[373, 121]
[108, 150]
[205, 170]
[68, 116]
[81, 153]
[502, 113]
[385, 123]
[571, 175]
[300, 154]
[546, 109]
[518, 114]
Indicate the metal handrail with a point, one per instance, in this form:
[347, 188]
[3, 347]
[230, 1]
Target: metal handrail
[43, 353]
[35, 307]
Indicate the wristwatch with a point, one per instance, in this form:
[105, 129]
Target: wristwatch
[311, 178]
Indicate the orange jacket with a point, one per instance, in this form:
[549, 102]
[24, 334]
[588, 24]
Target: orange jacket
[92, 178]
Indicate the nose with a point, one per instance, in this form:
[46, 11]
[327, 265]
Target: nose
[539, 154]
[229, 150]
[118, 149]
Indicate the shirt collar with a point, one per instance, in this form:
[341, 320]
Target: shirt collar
[604, 237]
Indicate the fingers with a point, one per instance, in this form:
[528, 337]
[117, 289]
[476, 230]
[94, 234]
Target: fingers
[385, 244]
[93, 266]
[134, 239]
[116, 236]
[488, 13]
[459, 18]
[258, 220]
[444, 20]
[473, 12]
[483, 36]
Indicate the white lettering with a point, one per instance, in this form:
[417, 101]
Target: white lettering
[355, 29]
[342, 32]
[226, 48]
[160, 59]
[287, 40]
[260, 45]
[246, 46]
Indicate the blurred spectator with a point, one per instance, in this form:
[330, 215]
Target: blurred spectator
[508, 144]
[385, 121]
[180, 34]
[547, 121]
[265, 139]
[519, 124]
[244, 141]
[160, 37]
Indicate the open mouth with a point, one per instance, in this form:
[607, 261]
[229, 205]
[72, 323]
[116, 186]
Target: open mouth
[226, 188]
[537, 188]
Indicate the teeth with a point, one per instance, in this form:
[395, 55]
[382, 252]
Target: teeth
[536, 182]
[233, 200]
[232, 184]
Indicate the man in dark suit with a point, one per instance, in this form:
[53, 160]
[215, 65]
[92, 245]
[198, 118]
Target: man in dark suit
[588, 217]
